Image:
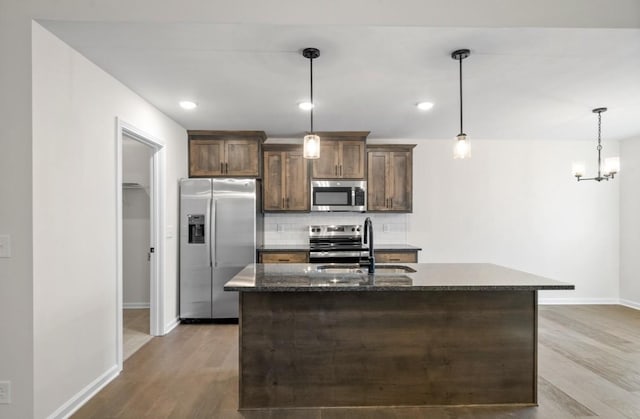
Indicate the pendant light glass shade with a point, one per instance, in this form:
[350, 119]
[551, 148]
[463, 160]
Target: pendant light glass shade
[462, 147]
[311, 148]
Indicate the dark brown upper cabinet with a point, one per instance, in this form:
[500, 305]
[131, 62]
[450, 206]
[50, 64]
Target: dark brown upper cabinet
[342, 155]
[225, 153]
[390, 178]
[286, 178]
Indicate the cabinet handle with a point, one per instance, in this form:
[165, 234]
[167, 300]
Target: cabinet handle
[226, 168]
[287, 202]
[336, 170]
[394, 260]
[283, 202]
[340, 170]
[283, 260]
[221, 167]
[391, 201]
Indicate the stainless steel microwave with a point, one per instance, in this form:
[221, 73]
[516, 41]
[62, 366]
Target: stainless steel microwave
[339, 195]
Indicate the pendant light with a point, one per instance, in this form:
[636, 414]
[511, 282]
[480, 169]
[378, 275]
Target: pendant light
[611, 164]
[461, 148]
[311, 149]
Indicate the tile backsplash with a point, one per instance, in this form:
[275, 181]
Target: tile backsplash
[282, 228]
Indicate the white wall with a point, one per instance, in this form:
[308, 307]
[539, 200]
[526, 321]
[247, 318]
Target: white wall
[75, 105]
[630, 222]
[516, 204]
[136, 161]
[16, 285]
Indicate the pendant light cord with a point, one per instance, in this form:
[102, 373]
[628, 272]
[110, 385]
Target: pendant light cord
[461, 130]
[311, 84]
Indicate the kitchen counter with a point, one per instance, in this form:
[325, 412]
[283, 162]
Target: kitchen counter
[447, 334]
[428, 277]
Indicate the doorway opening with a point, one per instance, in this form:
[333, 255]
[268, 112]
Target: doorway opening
[140, 244]
[137, 169]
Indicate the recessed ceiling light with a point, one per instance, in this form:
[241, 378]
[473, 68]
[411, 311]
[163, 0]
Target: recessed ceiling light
[188, 105]
[424, 106]
[305, 106]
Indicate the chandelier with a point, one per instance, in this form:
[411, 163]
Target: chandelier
[611, 165]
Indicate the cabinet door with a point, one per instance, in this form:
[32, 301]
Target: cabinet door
[377, 184]
[284, 257]
[296, 175]
[273, 182]
[241, 158]
[351, 159]
[206, 158]
[400, 181]
[328, 165]
[389, 257]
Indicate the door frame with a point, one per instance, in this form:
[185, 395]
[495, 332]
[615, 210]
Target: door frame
[157, 234]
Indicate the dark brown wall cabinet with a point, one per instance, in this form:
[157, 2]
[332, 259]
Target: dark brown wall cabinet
[225, 153]
[286, 178]
[390, 178]
[342, 155]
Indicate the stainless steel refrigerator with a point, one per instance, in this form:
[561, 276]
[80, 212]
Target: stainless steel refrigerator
[220, 228]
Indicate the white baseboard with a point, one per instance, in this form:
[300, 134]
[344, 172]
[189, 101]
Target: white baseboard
[135, 305]
[630, 304]
[171, 325]
[73, 404]
[567, 301]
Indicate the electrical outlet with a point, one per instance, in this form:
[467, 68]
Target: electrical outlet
[5, 392]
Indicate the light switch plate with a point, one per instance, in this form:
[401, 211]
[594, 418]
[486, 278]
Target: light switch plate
[5, 246]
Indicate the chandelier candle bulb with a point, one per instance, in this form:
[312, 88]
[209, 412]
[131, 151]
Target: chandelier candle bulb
[612, 165]
[578, 169]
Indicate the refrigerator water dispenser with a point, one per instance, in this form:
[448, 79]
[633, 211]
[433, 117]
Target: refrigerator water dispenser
[196, 228]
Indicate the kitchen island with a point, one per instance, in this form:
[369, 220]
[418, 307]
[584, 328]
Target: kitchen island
[444, 334]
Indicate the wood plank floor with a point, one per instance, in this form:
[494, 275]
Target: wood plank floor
[589, 366]
[135, 330]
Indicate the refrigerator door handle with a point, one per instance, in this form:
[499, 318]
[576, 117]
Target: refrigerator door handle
[212, 234]
[207, 229]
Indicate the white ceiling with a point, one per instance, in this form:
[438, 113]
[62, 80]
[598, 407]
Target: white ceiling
[519, 83]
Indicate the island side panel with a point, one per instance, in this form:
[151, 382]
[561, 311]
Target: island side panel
[316, 349]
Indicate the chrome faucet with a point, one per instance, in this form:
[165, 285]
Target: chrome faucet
[368, 239]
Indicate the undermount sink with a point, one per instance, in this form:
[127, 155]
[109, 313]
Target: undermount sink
[340, 269]
[354, 269]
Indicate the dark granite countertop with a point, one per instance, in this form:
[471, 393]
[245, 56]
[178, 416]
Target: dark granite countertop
[305, 247]
[427, 277]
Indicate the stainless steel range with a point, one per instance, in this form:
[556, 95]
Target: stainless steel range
[336, 244]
